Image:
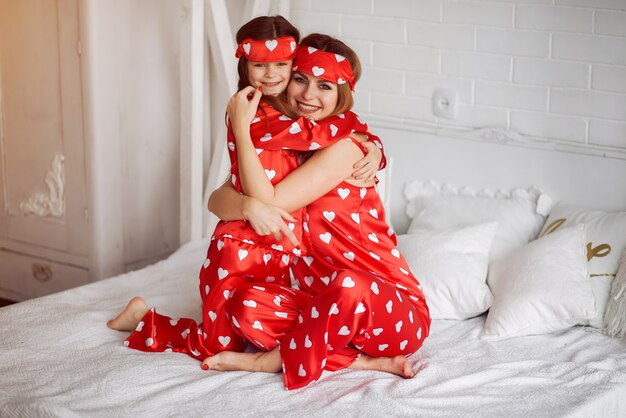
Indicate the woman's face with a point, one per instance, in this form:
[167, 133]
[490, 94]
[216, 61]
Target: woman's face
[273, 76]
[312, 96]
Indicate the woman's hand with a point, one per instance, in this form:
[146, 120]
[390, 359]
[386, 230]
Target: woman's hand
[366, 168]
[241, 110]
[269, 220]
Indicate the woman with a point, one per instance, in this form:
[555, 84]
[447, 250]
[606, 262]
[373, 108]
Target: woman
[365, 309]
[237, 255]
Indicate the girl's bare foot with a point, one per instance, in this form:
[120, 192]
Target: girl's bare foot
[252, 362]
[128, 319]
[398, 365]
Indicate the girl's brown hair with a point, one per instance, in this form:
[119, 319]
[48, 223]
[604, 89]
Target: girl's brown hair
[345, 101]
[262, 28]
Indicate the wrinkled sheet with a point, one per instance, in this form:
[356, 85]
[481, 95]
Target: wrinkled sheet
[58, 358]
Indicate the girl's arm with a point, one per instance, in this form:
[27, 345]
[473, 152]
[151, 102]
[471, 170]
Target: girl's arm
[323, 171]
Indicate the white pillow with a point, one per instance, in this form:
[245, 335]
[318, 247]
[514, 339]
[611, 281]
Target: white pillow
[606, 241]
[541, 287]
[615, 315]
[452, 268]
[520, 213]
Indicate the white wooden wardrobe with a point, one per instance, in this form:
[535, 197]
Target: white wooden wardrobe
[89, 140]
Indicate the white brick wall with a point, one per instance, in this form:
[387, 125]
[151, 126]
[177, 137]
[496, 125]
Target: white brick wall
[551, 69]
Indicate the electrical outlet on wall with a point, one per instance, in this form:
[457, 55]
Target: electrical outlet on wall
[444, 103]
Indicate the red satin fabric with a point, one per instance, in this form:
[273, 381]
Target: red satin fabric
[268, 50]
[238, 257]
[325, 65]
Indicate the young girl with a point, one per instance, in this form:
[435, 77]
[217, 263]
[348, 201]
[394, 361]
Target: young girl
[365, 309]
[237, 255]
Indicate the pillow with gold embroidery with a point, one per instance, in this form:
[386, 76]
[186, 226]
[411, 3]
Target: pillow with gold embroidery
[606, 241]
[541, 287]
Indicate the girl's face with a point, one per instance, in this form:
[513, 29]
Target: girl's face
[312, 96]
[273, 76]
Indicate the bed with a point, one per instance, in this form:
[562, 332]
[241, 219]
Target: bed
[58, 358]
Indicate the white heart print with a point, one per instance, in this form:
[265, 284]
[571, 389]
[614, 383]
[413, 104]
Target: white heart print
[212, 315]
[374, 287]
[389, 306]
[317, 71]
[344, 331]
[395, 253]
[221, 273]
[301, 371]
[307, 342]
[235, 322]
[308, 280]
[329, 215]
[348, 282]
[326, 237]
[207, 262]
[355, 217]
[270, 173]
[266, 258]
[246, 47]
[314, 146]
[360, 308]
[249, 303]
[257, 325]
[311, 49]
[383, 347]
[308, 260]
[241, 254]
[271, 44]
[224, 340]
[403, 344]
[314, 313]
[372, 237]
[295, 128]
[333, 129]
[398, 326]
[339, 58]
[333, 309]
[377, 331]
[374, 213]
[231, 146]
[292, 344]
[349, 255]
[281, 314]
[343, 193]
[266, 137]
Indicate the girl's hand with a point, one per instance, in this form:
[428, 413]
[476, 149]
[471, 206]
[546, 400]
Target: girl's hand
[366, 168]
[269, 220]
[241, 110]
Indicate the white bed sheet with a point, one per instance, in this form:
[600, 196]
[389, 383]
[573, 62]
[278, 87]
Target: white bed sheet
[58, 358]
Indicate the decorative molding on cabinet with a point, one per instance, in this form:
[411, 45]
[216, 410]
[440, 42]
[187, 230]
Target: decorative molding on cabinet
[53, 203]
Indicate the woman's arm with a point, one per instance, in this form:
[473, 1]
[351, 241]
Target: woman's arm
[229, 205]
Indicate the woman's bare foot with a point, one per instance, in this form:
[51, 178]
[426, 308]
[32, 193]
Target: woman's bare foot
[252, 362]
[128, 319]
[398, 365]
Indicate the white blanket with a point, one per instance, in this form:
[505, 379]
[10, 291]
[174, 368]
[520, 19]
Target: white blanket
[58, 358]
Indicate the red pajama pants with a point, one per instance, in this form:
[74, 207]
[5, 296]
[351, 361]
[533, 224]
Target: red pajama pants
[356, 313]
[230, 264]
